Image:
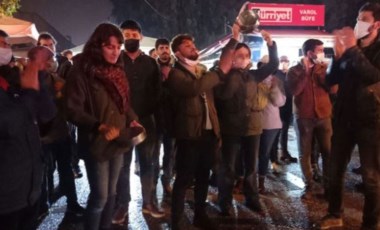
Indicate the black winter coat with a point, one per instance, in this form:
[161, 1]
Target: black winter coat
[21, 166]
[356, 70]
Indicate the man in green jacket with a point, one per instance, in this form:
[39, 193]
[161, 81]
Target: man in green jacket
[196, 126]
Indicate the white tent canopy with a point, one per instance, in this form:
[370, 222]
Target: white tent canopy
[22, 34]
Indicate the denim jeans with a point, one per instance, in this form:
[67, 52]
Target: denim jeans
[230, 151]
[102, 178]
[148, 160]
[306, 130]
[273, 155]
[194, 159]
[343, 143]
[266, 145]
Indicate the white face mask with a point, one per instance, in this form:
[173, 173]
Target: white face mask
[187, 61]
[361, 29]
[284, 66]
[5, 56]
[241, 63]
[320, 58]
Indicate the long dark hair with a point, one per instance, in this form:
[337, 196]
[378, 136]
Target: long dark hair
[92, 52]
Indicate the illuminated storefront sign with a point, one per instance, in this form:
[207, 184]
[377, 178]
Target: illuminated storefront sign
[290, 14]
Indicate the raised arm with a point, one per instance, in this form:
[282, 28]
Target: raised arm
[261, 73]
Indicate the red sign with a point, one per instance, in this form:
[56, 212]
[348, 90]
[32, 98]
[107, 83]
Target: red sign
[290, 14]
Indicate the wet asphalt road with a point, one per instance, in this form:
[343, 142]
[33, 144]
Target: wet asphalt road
[283, 207]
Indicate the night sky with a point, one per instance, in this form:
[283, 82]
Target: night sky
[76, 19]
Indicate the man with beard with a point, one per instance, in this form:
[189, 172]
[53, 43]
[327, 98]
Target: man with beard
[164, 116]
[145, 88]
[312, 111]
[196, 126]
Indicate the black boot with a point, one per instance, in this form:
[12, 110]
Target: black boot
[286, 157]
[262, 185]
[202, 221]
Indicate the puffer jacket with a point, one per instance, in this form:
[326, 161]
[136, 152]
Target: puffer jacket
[188, 105]
[357, 73]
[186, 89]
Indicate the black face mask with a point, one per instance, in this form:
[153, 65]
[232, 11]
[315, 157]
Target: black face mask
[132, 45]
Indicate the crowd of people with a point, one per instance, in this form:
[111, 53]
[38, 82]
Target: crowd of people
[229, 120]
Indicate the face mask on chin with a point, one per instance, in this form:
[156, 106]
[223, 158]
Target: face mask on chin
[132, 45]
[361, 29]
[5, 56]
[187, 61]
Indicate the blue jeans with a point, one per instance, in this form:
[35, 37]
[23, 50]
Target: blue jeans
[266, 145]
[148, 160]
[306, 130]
[102, 178]
[343, 143]
[230, 151]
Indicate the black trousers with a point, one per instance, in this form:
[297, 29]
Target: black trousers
[343, 143]
[61, 154]
[194, 159]
[24, 219]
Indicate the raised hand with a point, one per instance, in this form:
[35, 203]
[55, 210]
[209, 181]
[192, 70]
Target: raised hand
[29, 77]
[267, 37]
[344, 39]
[236, 31]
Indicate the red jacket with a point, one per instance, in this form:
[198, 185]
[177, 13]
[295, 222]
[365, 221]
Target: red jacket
[311, 94]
